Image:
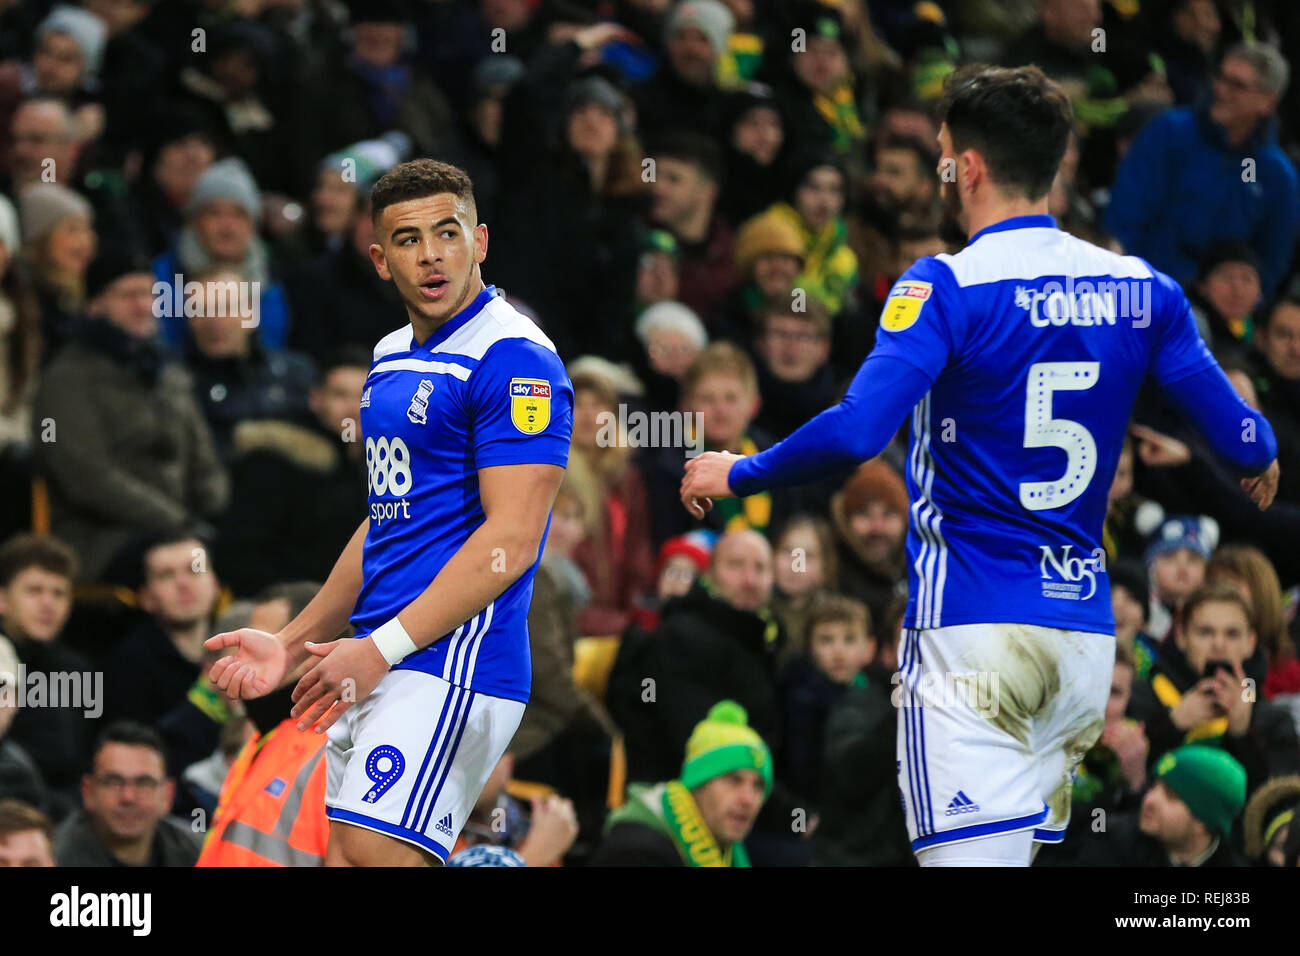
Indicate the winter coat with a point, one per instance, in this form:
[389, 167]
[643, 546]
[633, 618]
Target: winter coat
[128, 450]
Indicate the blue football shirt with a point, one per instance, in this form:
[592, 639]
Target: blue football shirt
[486, 388]
[1036, 343]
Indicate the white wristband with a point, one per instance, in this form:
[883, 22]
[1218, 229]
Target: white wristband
[393, 641]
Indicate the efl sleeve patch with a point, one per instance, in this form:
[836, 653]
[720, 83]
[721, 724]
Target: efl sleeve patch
[530, 404]
[903, 307]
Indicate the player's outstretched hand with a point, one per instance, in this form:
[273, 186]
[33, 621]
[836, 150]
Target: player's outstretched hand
[257, 668]
[347, 671]
[706, 479]
[1263, 488]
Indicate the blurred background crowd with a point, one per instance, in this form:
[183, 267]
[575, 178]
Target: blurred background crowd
[704, 204]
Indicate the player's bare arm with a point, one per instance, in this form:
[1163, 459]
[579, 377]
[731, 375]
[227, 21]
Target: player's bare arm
[263, 660]
[516, 501]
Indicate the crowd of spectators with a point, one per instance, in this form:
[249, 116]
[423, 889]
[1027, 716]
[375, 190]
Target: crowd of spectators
[704, 204]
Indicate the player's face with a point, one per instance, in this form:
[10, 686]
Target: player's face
[954, 216]
[36, 604]
[1219, 631]
[430, 248]
[729, 804]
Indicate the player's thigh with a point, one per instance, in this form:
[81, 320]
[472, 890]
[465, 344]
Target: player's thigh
[966, 769]
[355, 846]
[1074, 719]
[413, 759]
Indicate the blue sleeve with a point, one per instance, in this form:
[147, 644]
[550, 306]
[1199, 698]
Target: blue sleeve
[1192, 381]
[857, 429]
[1179, 350]
[922, 321]
[520, 406]
[1237, 434]
[919, 326]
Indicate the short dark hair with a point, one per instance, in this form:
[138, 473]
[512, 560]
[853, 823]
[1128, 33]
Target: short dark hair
[347, 356]
[417, 179]
[175, 534]
[24, 551]
[1017, 119]
[132, 734]
[18, 817]
[694, 148]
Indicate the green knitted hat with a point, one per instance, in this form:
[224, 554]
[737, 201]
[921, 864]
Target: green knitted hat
[722, 742]
[1209, 781]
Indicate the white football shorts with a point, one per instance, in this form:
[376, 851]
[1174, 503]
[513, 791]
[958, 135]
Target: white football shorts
[993, 721]
[411, 759]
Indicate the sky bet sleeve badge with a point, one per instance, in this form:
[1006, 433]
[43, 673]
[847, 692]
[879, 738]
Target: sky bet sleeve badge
[904, 304]
[530, 404]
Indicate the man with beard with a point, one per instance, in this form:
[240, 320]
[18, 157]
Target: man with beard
[870, 515]
[995, 351]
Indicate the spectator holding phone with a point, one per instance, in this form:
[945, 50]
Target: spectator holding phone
[1199, 693]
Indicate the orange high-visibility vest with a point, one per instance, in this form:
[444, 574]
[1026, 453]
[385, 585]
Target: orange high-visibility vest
[272, 806]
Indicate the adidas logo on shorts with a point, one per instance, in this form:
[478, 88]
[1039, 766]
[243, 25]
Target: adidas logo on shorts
[444, 825]
[961, 804]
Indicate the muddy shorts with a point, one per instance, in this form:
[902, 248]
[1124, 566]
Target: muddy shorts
[993, 721]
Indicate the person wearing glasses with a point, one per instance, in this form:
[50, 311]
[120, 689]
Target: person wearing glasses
[1213, 171]
[125, 797]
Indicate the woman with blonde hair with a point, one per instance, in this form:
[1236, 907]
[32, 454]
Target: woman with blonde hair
[616, 557]
[1248, 571]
